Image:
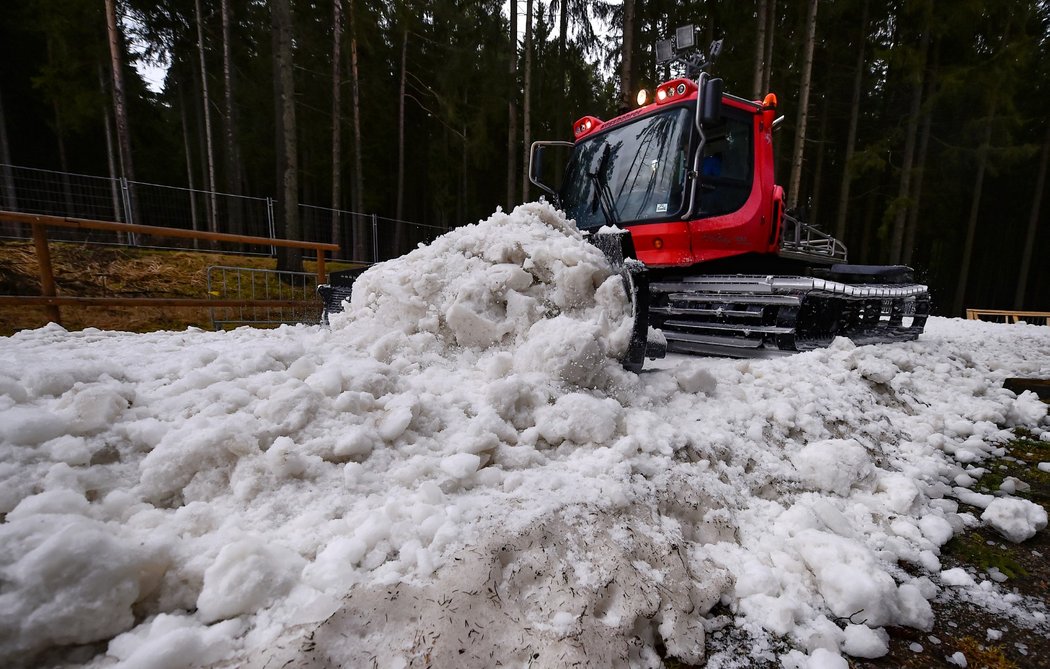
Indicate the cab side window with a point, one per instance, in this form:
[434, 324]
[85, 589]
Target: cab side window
[726, 171]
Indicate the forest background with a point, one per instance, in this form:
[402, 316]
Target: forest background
[915, 130]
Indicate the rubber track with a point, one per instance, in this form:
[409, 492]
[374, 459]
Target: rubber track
[756, 316]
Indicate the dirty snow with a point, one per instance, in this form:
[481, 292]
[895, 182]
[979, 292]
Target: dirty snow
[459, 472]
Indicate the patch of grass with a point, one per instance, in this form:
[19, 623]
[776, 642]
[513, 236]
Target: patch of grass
[1029, 450]
[972, 548]
[980, 655]
[1023, 457]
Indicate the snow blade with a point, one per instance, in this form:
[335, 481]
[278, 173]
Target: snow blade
[619, 249]
[338, 288]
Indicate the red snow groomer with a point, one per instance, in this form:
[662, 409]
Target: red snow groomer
[690, 177]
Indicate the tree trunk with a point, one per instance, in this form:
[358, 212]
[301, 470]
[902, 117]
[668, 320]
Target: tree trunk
[189, 163]
[912, 227]
[401, 126]
[971, 223]
[8, 197]
[563, 66]
[563, 30]
[213, 224]
[111, 156]
[1033, 224]
[526, 111]
[851, 133]
[63, 162]
[60, 137]
[512, 109]
[867, 230]
[288, 158]
[111, 164]
[803, 106]
[904, 191]
[818, 170]
[337, 124]
[10, 200]
[627, 56]
[360, 226]
[233, 155]
[760, 50]
[202, 144]
[119, 100]
[771, 31]
[463, 184]
[398, 232]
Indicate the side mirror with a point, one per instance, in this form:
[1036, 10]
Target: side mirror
[711, 101]
[536, 162]
[536, 174]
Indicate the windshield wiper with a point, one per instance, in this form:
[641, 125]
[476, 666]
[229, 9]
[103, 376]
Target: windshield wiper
[602, 192]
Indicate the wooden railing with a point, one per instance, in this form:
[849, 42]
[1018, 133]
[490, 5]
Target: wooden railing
[49, 295]
[1009, 316]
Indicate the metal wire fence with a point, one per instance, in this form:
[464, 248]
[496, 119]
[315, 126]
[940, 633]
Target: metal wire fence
[295, 294]
[362, 237]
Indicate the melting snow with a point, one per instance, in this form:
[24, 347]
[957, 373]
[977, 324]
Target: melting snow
[459, 472]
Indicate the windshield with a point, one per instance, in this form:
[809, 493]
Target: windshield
[630, 173]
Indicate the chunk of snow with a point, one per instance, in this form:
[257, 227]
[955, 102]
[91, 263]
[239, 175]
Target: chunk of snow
[1014, 518]
[68, 580]
[936, 529]
[696, 379]
[461, 465]
[996, 575]
[1012, 485]
[580, 418]
[822, 658]
[246, 576]
[832, 466]
[977, 499]
[957, 577]
[848, 578]
[863, 641]
[170, 641]
[29, 426]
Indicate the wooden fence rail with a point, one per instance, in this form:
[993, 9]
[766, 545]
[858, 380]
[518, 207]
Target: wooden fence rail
[1009, 316]
[49, 295]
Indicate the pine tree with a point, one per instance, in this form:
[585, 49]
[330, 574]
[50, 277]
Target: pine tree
[288, 153]
[803, 106]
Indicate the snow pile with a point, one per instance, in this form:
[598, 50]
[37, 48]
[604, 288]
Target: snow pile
[525, 282]
[457, 472]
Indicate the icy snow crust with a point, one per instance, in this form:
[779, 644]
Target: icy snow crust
[458, 473]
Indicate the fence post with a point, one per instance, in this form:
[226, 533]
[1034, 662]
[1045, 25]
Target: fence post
[125, 194]
[118, 204]
[47, 277]
[126, 197]
[271, 224]
[375, 240]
